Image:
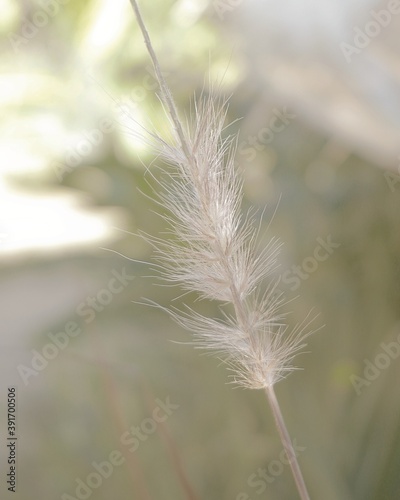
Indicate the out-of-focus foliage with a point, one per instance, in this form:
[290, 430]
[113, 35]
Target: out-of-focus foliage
[318, 142]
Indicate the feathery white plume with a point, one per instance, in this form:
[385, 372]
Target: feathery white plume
[213, 248]
[212, 252]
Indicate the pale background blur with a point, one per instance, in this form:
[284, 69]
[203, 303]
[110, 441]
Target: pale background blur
[319, 139]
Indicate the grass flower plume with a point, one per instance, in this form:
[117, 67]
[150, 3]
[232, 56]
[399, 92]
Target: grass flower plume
[212, 251]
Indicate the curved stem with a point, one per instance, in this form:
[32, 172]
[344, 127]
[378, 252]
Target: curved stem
[287, 443]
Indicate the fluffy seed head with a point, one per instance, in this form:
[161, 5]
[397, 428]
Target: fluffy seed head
[212, 252]
[213, 247]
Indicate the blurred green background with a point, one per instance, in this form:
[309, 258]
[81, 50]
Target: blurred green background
[318, 142]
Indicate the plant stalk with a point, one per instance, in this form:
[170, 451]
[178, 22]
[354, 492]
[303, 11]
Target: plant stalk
[240, 311]
[287, 443]
[165, 92]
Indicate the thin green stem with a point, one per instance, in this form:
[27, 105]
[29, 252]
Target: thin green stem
[287, 443]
